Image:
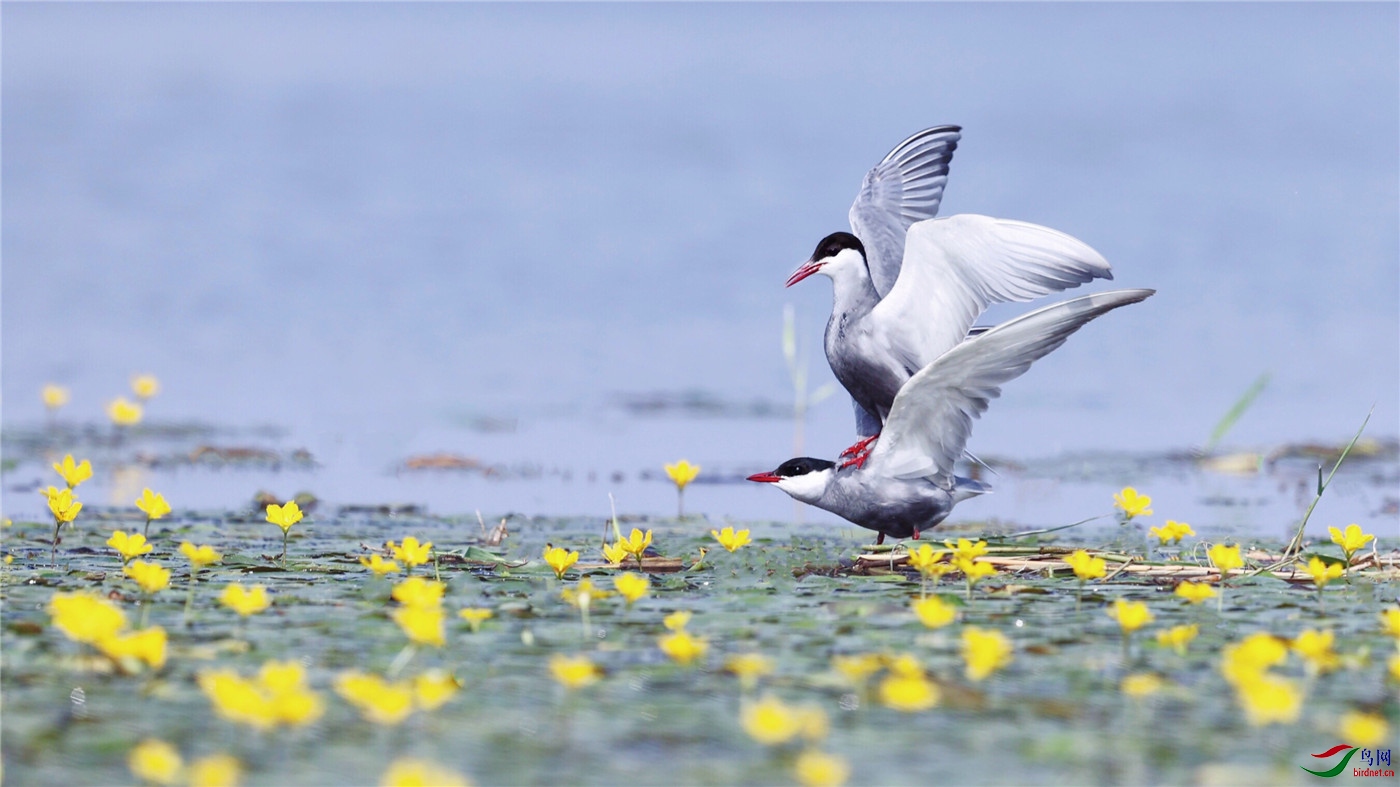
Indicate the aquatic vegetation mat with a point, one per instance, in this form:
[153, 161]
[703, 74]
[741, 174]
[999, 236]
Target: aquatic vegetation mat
[771, 653]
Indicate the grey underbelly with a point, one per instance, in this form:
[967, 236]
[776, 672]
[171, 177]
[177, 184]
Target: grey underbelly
[872, 385]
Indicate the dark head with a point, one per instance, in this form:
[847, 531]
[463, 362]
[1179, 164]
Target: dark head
[829, 250]
[793, 468]
[804, 478]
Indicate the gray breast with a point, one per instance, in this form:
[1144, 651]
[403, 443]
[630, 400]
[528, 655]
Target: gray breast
[871, 380]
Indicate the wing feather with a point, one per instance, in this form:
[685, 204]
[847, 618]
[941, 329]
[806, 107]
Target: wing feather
[904, 188]
[955, 267]
[931, 418]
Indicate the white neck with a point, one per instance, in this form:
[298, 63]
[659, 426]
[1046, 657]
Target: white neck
[852, 289]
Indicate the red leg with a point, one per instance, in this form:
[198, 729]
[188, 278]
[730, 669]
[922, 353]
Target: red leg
[880, 540]
[857, 461]
[861, 445]
[916, 534]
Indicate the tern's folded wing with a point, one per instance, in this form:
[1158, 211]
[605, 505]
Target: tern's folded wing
[931, 418]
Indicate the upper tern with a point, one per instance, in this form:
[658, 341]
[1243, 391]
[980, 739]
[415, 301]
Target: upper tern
[907, 287]
[908, 484]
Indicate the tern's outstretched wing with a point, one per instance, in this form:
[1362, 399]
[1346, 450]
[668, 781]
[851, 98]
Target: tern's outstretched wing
[955, 267]
[931, 418]
[904, 188]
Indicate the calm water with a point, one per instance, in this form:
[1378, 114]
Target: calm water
[384, 228]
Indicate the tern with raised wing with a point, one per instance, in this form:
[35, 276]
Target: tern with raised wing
[907, 287]
[908, 484]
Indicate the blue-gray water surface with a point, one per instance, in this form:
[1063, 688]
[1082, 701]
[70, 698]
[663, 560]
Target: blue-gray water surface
[502, 231]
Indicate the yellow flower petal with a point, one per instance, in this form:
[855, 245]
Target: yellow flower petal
[155, 761]
[573, 672]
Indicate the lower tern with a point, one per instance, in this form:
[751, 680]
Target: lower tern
[908, 484]
[907, 287]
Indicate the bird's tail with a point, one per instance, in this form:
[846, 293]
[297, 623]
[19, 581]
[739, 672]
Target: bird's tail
[964, 488]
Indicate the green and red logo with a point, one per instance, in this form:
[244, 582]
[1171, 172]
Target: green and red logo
[1369, 757]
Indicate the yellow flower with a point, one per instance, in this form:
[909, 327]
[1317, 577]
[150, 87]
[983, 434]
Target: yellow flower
[904, 665]
[237, 699]
[1225, 559]
[749, 667]
[84, 617]
[1172, 531]
[559, 559]
[924, 557]
[377, 564]
[145, 386]
[1195, 592]
[155, 762]
[377, 700]
[682, 647]
[1178, 637]
[1251, 657]
[1141, 684]
[279, 677]
[408, 772]
[1086, 566]
[124, 413]
[1368, 730]
[432, 689]
[770, 721]
[1390, 621]
[411, 552]
[199, 557]
[857, 669]
[573, 672]
[147, 645]
[422, 625]
[934, 612]
[73, 473]
[676, 621]
[632, 586]
[245, 601]
[419, 592]
[615, 553]
[1394, 666]
[636, 543]
[966, 550]
[1351, 540]
[216, 770]
[974, 570]
[1322, 572]
[1269, 699]
[284, 516]
[818, 769]
[150, 577]
[1131, 615]
[278, 696]
[582, 594]
[909, 693]
[55, 396]
[475, 616]
[1132, 504]
[682, 473]
[129, 546]
[152, 504]
[729, 539]
[1316, 649]
[63, 504]
[985, 651]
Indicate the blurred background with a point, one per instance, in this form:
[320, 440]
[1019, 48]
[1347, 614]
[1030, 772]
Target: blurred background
[552, 239]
